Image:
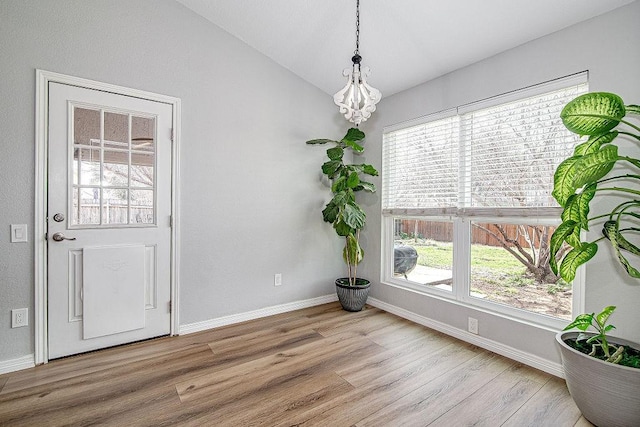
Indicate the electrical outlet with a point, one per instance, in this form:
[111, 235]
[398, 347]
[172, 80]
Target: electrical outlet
[277, 279]
[473, 325]
[19, 317]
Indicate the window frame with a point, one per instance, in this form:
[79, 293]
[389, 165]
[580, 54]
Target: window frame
[462, 219]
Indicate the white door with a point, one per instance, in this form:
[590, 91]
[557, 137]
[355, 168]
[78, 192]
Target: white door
[108, 219]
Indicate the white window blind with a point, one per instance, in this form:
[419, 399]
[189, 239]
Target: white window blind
[494, 157]
[421, 166]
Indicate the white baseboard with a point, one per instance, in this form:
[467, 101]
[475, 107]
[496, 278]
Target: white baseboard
[537, 362]
[18, 364]
[256, 314]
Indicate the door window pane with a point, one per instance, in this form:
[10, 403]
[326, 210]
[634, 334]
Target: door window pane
[86, 126]
[510, 265]
[116, 130]
[86, 208]
[142, 207]
[142, 169]
[142, 133]
[116, 168]
[86, 166]
[423, 252]
[114, 206]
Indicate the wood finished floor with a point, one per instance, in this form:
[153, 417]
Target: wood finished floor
[318, 366]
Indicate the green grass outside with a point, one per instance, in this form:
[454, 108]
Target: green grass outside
[495, 272]
[489, 258]
[493, 264]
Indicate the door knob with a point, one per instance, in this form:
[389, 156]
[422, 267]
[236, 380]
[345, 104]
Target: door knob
[59, 237]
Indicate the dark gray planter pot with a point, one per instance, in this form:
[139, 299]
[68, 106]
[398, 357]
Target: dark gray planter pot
[608, 395]
[352, 298]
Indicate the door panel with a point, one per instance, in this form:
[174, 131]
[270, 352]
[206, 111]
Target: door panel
[109, 190]
[113, 289]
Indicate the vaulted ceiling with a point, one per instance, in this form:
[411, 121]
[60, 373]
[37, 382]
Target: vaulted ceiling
[404, 42]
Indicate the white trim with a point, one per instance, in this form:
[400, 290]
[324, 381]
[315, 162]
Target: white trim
[43, 78]
[537, 362]
[176, 135]
[11, 365]
[255, 314]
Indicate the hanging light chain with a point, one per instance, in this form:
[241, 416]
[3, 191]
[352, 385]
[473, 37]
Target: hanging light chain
[357, 51]
[356, 54]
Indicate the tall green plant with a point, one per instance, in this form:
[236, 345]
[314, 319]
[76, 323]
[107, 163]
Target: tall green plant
[600, 116]
[342, 211]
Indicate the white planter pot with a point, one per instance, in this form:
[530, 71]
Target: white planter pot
[608, 395]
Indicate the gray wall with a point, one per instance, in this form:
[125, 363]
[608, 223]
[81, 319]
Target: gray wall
[607, 46]
[250, 205]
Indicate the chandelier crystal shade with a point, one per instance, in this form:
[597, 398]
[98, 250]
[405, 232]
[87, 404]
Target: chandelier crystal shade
[357, 99]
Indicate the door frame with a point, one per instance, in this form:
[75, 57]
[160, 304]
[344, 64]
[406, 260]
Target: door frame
[43, 78]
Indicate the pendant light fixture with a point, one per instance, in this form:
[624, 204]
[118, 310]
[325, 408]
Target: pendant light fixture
[357, 100]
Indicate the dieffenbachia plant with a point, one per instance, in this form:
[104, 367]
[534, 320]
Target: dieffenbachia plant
[601, 117]
[599, 323]
[342, 211]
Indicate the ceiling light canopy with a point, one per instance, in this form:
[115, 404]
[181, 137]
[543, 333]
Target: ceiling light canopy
[357, 100]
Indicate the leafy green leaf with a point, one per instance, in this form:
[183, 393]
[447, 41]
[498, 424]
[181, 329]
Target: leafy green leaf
[340, 199]
[595, 166]
[557, 239]
[340, 184]
[335, 153]
[367, 186]
[577, 207]
[575, 258]
[582, 322]
[593, 113]
[330, 212]
[369, 170]
[603, 316]
[594, 143]
[563, 180]
[627, 245]
[321, 141]
[354, 146]
[342, 229]
[353, 180]
[610, 230]
[331, 167]
[354, 134]
[354, 216]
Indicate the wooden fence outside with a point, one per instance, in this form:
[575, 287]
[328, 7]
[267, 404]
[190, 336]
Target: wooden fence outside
[443, 232]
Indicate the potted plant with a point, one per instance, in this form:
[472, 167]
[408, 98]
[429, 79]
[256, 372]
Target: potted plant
[605, 391]
[602, 372]
[344, 213]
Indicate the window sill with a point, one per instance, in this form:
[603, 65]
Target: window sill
[540, 321]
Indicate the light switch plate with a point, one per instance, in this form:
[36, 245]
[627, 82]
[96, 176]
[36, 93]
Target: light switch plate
[18, 233]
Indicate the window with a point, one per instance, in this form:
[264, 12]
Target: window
[467, 205]
[113, 169]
